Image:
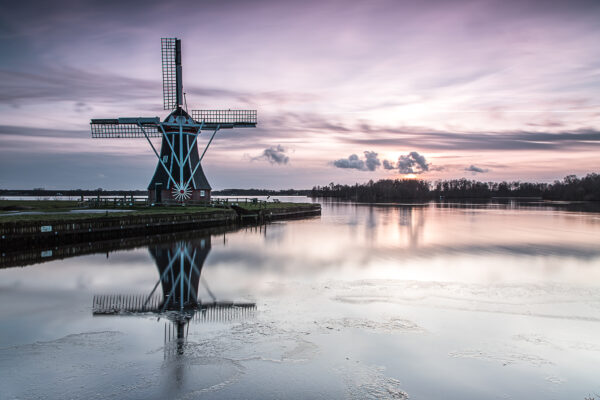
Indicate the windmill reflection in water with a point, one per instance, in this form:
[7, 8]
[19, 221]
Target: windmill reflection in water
[180, 266]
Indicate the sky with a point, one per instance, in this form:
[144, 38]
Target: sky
[346, 91]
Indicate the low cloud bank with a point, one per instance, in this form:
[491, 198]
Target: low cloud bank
[370, 163]
[412, 163]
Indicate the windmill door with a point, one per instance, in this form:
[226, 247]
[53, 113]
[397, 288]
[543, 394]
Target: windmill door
[158, 193]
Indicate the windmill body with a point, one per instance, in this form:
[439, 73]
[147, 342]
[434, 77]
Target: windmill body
[178, 176]
[173, 145]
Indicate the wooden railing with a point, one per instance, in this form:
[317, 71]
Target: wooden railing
[238, 200]
[122, 201]
[130, 201]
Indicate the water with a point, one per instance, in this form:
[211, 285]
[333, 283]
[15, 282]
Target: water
[66, 198]
[424, 301]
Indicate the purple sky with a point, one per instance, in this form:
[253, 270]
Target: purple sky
[489, 90]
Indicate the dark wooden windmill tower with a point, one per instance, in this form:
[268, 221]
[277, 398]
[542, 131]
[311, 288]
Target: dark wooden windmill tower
[178, 176]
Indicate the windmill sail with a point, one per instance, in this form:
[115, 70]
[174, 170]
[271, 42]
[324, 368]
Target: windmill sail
[125, 128]
[226, 118]
[171, 70]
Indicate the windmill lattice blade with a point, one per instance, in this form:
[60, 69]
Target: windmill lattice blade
[136, 303]
[169, 72]
[237, 118]
[111, 128]
[128, 303]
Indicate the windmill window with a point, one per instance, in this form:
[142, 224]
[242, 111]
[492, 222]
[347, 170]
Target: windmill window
[165, 159]
[202, 193]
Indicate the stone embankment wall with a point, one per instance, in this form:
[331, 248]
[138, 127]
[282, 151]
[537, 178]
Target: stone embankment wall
[52, 232]
[271, 214]
[38, 232]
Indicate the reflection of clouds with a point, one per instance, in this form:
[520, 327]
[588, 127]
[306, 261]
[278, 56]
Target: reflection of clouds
[362, 240]
[98, 272]
[83, 282]
[474, 268]
[290, 261]
[255, 260]
[347, 237]
[585, 253]
[130, 257]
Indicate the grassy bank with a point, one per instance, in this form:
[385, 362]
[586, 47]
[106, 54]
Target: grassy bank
[63, 214]
[37, 205]
[56, 210]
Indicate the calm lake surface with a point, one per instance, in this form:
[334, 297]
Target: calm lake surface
[433, 301]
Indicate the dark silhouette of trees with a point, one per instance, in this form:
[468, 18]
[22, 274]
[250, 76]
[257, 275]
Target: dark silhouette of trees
[570, 188]
[380, 191]
[573, 188]
[260, 192]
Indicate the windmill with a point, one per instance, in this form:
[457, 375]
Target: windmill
[178, 175]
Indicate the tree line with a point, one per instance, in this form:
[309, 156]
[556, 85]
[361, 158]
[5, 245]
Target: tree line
[570, 188]
[260, 192]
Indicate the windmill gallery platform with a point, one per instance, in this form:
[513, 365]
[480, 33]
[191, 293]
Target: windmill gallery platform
[46, 224]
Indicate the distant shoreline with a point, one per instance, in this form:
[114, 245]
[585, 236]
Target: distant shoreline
[570, 188]
[127, 193]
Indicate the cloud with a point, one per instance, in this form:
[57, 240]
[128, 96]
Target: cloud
[413, 163]
[352, 162]
[424, 137]
[501, 140]
[388, 164]
[48, 84]
[370, 163]
[70, 84]
[476, 170]
[274, 155]
[80, 107]
[362, 89]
